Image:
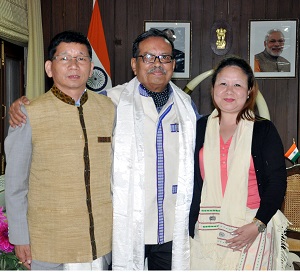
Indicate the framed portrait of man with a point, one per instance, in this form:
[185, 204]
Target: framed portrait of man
[273, 47]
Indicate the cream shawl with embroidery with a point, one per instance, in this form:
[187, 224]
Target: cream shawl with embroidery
[220, 216]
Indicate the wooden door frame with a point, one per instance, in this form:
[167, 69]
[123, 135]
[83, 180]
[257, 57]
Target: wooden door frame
[11, 51]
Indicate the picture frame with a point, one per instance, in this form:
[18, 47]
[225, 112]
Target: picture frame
[286, 61]
[182, 44]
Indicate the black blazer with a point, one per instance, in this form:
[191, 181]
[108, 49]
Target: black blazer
[269, 163]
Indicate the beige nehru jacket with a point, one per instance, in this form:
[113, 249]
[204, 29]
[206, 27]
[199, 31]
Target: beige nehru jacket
[59, 223]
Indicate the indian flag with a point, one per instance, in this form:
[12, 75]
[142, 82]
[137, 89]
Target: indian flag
[293, 153]
[101, 78]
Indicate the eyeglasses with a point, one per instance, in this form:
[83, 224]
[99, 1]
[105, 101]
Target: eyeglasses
[149, 58]
[64, 59]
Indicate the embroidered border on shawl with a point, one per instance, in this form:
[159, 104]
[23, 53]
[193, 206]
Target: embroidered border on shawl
[209, 217]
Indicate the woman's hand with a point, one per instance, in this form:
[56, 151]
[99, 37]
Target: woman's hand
[245, 236]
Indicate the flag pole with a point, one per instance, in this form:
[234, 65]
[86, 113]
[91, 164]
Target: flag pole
[294, 143]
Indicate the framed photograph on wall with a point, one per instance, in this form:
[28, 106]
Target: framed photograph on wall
[273, 47]
[180, 33]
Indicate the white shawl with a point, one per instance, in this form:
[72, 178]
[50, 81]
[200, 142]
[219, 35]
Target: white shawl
[128, 180]
[220, 216]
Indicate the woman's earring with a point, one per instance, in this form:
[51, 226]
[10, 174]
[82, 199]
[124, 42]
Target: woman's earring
[247, 96]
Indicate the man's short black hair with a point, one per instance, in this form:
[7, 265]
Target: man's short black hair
[152, 32]
[68, 37]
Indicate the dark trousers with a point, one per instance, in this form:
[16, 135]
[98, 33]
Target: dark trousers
[159, 256]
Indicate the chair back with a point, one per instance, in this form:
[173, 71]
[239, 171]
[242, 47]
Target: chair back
[291, 205]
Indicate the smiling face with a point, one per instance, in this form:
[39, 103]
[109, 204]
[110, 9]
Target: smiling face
[154, 76]
[71, 76]
[230, 90]
[275, 44]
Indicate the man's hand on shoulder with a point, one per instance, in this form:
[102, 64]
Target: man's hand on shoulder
[17, 117]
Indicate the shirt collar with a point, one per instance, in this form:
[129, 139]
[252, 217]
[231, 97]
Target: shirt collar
[159, 98]
[68, 99]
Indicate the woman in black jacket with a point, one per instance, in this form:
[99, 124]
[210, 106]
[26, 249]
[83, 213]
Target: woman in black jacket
[240, 179]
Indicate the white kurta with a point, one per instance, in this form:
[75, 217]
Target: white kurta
[130, 175]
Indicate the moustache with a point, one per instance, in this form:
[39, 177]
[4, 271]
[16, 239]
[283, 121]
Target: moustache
[157, 69]
[277, 48]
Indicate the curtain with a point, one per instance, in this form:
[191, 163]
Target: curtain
[35, 61]
[21, 24]
[13, 21]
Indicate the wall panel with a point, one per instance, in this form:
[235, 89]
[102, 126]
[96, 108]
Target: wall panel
[124, 20]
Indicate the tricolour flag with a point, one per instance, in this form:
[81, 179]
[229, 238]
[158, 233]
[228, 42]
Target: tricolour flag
[293, 153]
[100, 79]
